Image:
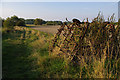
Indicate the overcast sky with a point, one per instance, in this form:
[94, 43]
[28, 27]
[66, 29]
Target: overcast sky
[58, 10]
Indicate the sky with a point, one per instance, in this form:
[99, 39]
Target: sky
[60, 0]
[119, 9]
[58, 10]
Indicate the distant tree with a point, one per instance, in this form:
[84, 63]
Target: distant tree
[1, 22]
[43, 22]
[29, 21]
[59, 22]
[50, 23]
[54, 22]
[8, 23]
[20, 22]
[14, 19]
[38, 21]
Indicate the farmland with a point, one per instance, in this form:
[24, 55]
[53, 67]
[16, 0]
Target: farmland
[45, 28]
[85, 50]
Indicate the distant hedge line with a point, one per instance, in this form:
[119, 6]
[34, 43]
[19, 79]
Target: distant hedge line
[10, 22]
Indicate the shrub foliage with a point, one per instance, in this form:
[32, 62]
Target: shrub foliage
[13, 21]
[90, 42]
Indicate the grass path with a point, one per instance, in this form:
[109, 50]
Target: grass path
[28, 58]
[15, 53]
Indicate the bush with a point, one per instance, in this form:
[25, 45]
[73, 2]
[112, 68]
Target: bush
[21, 22]
[92, 46]
[13, 21]
[54, 22]
[8, 23]
[29, 21]
[1, 21]
[38, 21]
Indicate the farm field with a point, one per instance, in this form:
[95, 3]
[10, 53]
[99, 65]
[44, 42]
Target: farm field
[45, 28]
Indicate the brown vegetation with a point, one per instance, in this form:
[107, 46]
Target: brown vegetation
[89, 43]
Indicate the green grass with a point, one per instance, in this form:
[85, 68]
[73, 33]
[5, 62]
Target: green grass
[15, 61]
[25, 54]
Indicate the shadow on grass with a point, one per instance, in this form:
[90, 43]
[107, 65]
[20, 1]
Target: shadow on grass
[15, 63]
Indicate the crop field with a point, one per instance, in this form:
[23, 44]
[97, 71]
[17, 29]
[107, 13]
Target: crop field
[45, 28]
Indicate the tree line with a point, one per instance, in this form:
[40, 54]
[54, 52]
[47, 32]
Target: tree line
[16, 21]
[39, 21]
[10, 22]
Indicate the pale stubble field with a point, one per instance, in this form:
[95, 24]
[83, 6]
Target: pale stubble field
[46, 28]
